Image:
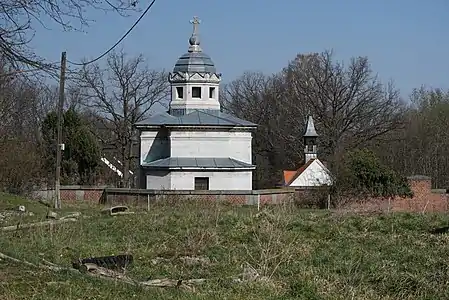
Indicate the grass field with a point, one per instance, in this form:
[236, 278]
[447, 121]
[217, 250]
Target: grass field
[297, 254]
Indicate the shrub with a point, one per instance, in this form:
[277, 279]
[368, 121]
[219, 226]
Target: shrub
[363, 175]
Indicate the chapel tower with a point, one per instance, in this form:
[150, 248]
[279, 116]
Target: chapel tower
[194, 80]
[310, 136]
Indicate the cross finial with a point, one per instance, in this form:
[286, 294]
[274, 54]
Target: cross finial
[196, 21]
[194, 40]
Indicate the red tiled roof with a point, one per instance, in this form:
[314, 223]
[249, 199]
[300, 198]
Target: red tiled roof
[290, 176]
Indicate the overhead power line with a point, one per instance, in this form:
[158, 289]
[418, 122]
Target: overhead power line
[118, 42]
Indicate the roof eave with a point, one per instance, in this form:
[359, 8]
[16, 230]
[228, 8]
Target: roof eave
[200, 168]
[300, 171]
[159, 126]
[185, 126]
[147, 126]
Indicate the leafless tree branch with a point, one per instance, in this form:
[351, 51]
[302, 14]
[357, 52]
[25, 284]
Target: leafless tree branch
[121, 95]
[19, 20]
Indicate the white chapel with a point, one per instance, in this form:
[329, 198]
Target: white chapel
[313, 173]
[195, 146]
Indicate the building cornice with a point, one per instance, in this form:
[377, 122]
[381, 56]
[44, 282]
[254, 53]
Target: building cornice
[209, 128]
[196, 127]
[200, 169]
[185, 77]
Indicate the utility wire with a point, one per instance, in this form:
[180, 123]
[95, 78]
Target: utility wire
[118, 42]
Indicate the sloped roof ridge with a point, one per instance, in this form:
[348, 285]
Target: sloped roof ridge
[219, 115]
[301, 170]
[227, 119]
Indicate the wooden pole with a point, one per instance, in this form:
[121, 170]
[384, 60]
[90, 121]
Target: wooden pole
[59, 144]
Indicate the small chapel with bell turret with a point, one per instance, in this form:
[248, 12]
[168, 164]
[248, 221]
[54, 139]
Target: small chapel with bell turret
[313, 173]
[194, 145]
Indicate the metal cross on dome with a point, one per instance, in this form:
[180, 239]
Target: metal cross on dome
[196, 21]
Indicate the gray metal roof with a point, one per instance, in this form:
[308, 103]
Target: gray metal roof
[195, 61]
[195, 118]
[159, 119]
[310, 128]
[199, 162]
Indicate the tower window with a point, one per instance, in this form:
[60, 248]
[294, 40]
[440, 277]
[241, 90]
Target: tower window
[179, 92]
[310, 143]
[212, 92]
[196, 92]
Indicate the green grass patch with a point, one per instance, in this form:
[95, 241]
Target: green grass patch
[35, 211]
[301, 254]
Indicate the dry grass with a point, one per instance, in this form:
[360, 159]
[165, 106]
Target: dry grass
[296, 254]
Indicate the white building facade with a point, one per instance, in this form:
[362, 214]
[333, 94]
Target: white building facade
[194, 145]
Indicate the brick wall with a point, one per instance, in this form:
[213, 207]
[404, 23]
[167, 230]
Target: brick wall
[276, 198]
[139, 196]
[424, 200]
[93, 195]
[72, 194]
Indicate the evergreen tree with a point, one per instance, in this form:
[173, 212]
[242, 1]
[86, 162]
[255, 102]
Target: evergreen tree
[81, 156]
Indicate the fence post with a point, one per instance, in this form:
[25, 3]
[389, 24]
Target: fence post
[148, 202]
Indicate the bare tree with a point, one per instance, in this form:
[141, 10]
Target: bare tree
[121, 95]
[23, 105]
[351, 105]
[253, 96]
[421, 147]
[258, 98]
[19, 20]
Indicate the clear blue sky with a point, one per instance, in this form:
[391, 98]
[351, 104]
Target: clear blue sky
[407, 41]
